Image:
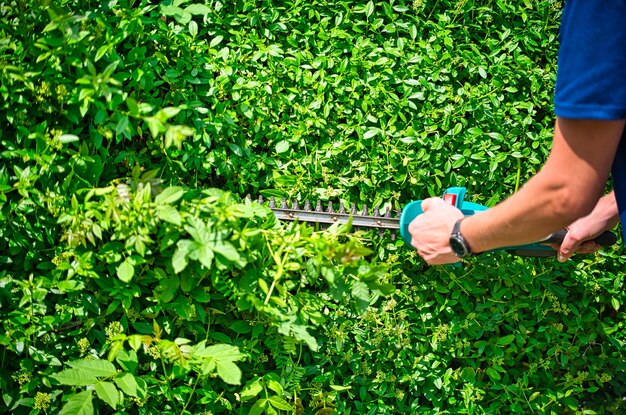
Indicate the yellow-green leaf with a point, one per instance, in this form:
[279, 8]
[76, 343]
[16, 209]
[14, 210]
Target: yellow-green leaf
[108, 393]
[79, 404]
[280, 403]
[169, 195]
[75, 377]
[127, 383]
[97, 367]
[125, 271]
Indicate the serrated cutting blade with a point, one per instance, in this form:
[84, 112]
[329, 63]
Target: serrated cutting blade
[330, 216]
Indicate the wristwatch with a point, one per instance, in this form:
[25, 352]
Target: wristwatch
[459, 245]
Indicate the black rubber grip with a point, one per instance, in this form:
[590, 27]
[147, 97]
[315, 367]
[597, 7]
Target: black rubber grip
[604, 239]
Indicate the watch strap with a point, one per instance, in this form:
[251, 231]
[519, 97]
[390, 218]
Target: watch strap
[456, 238]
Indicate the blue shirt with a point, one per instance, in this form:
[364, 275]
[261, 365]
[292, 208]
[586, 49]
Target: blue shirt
[591, 74]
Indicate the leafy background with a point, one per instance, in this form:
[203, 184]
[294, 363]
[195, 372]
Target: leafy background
[137, 279]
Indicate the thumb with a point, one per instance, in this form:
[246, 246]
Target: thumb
[567, 248]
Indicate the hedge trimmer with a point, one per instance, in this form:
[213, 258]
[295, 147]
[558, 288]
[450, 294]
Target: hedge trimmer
[400, 221]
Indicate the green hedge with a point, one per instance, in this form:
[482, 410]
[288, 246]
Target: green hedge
[136, 278]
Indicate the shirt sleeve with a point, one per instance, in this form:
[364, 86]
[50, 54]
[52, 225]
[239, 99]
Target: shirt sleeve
[591, 74]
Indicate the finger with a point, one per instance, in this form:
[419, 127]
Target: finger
[588, 247]
[569, 245]
[431, 202]
[440, 259]
[419, 220]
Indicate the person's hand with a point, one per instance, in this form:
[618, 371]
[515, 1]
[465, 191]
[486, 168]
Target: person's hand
[431, 231]
[578, 239]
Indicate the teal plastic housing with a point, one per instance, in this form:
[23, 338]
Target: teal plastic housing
[456, 196]
[414, 209]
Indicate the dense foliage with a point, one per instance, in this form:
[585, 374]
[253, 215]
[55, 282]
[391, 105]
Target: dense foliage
[136, 278]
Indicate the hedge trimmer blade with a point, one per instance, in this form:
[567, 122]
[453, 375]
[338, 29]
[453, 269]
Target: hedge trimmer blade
[328, 216]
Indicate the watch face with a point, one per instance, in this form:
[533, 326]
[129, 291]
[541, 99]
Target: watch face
[458, 247]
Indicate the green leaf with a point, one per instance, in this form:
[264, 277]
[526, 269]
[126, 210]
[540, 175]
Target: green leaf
[75, 377]
[361, 294]
[223, 356]
[179, 259]
[108, 71]
[155, 126]
[167, 113]
[615, 303]
[132, 106]
[204, 254]
[287, 180]
[371, 133]
[252, 389]
[193, 28]
[199, 231]
[493, 374]
[369, 8]
[282, 146]
[122, 125]
[78, 404]
[116, 346]
[127, 383]
[4, 340]
[300, 333]
[169, 195]
[227, 250]
[438, 383]
[247, 110]
[125, 271]
[258, 407]
[216, 41]
[273, 382]
[280, 403]
[169, 213]
[340, 388]
[167, 288]
[229, 372]
[97, 367]
[128, 360]
[223, 352]
[503, 341]
[101, 52]
[241, 327]
[172, 10]
[142, 388]
[198, 9]
[108, 393]
[135, 341]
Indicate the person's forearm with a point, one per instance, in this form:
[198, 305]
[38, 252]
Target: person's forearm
[567, 188]
[530, 215]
